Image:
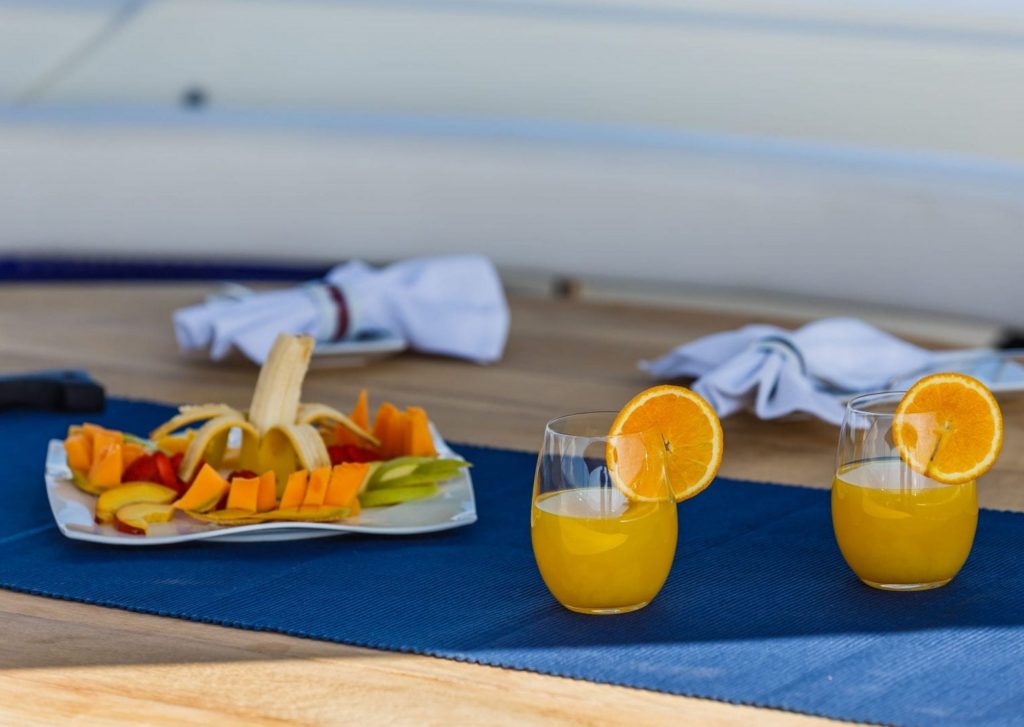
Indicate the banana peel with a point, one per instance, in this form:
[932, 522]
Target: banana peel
[193, 414]
[246, 517]
[316, 413]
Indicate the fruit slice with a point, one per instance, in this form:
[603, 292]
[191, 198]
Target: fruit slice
[141, 470]
[316, 491]
[406, 471]
[396, 495]
[361, 411]
[175, 443]
[217, 427]
[346, 481]
[948, 427]
[136, 518]
[100, 436]
[384, 424]
[266, 498]
[130, 452]
[106, 468]
[192, 415]
[244, 494]
[275, 401]
[134, 492]
[81, 481]
[420, 443]
[676, 421]
[295, 490]
[78, 448]
[228, 517]
[323, 513]
[205, 492]
[314, 413]
[288, 447]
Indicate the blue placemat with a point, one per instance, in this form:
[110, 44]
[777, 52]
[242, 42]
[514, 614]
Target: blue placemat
[760, 608]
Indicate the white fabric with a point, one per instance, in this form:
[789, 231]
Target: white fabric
[452, 305]
[778, 372]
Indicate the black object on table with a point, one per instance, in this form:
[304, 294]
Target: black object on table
[52, 390]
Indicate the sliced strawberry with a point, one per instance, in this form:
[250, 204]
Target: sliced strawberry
[176, 459]
[143, 469]
[166, 472]
[351, 453]
[246, 474]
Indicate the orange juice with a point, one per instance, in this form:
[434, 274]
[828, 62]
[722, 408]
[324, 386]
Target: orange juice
[599, 552]
[899, 529]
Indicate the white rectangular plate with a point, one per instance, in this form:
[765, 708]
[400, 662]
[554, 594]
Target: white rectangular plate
[452, 507]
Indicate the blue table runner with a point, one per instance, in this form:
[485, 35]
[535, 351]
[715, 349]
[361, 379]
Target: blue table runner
[759, 609]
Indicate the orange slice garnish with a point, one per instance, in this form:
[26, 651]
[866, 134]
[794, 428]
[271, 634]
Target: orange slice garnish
[948, 427]
[674, 421]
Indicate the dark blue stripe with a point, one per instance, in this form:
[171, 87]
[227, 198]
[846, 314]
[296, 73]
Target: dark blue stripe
[32, 268]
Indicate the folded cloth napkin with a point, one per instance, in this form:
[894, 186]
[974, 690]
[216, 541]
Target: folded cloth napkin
[451, 305]
[814, 369]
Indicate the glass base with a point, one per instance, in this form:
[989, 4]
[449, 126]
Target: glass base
[907, 586]
[606, 611]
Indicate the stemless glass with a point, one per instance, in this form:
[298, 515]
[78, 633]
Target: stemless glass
[600, 551]
[897, 529]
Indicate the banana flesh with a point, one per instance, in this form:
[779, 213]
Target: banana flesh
[275, 400]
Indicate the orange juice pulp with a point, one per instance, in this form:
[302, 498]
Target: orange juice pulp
[598, 551]
[897, 527]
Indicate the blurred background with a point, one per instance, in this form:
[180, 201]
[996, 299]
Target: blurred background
[791, 156]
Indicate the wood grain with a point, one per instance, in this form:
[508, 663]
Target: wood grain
[102, 666]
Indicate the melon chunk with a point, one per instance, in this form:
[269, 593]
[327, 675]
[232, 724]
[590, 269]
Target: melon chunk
[419, 442]
[267, 497]
[107, 465]
[244, 494]
[295, 490]
[346, 480]
[316, 491]
[205, 492]
[78, 448]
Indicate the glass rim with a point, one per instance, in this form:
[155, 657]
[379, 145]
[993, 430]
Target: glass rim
[856, 404]
[552, 428]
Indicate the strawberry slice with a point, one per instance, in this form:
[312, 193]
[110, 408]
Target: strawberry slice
[143, 469]
[165, 471]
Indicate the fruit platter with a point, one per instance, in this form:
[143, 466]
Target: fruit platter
[280, 470]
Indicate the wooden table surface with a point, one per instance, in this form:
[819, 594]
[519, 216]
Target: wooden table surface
[62, 660]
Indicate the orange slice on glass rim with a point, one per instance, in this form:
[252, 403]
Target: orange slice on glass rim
[948, 427]
[677, 422]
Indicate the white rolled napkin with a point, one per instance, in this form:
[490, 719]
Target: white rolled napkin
[449, 305]
[776, 372]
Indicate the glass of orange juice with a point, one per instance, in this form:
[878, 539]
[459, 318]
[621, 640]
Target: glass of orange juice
[898, 529]
[600, 548]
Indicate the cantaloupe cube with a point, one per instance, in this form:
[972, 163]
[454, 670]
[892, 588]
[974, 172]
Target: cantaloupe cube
[107, 436]
[384, 425]
[316, 491]
[345, 482]
[419, 441]
[267, 498]
[361, 416]
[295, 490]
[244, 494]
[78, 448]
[361, 412]
[398, 435]
[107, 466]
[206, 491]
